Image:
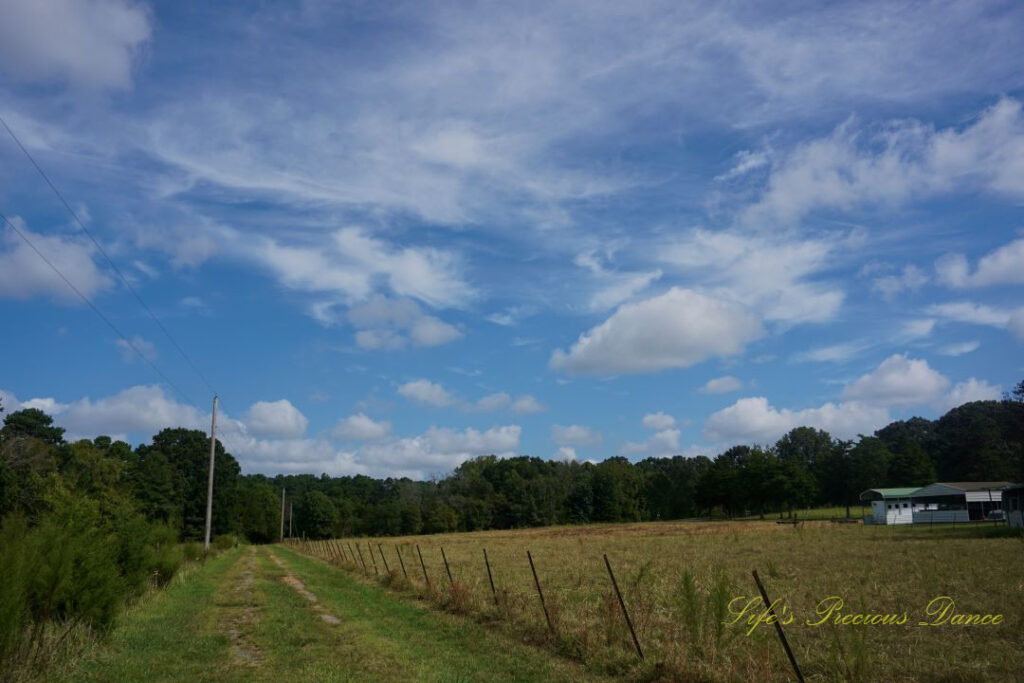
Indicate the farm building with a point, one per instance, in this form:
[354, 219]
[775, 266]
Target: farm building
[889, 506]
[959, 501]
[1013, 504]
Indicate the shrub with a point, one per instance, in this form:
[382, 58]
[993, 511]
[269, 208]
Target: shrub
[15, 565]
[225, 542]
[167, 554]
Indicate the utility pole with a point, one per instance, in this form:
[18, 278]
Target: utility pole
[282, 515]
[291, 513]
[209, 486]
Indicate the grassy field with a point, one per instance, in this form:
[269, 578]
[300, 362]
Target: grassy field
[680, 579]
[271, 614]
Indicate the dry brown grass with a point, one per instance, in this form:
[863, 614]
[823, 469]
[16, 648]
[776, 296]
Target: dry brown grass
[678, 577]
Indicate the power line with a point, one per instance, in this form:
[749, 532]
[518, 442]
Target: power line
[96, 310]
[110, 261]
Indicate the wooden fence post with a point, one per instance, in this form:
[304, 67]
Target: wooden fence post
[451, 581]
[490, 578]
[384, 559]
[401, 561]
[369, 549]
[540, 592]
[361, 560]
[425, 577]
[778, 628]
[622, 604]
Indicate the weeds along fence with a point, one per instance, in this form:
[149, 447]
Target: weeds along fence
[614, 618]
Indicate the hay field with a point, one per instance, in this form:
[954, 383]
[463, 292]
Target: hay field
[682, 580]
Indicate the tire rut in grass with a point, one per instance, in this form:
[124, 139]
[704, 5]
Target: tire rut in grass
[295, 583]
[240, 612]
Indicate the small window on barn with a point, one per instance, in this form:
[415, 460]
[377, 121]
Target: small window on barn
[890, 506]
[906, 505]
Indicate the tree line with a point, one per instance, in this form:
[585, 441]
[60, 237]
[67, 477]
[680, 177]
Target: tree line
[164, 481]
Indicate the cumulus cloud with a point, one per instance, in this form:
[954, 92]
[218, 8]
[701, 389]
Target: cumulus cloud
[437, 451]
[87, 43]
[134, 347]
[565, 453]
[574, 435]
[755, 420]
[23, 274]
[1003, 266]
[774, 275]
[142, 410]
[721, 385]
[659, 420]
[276, 419]
[676, 329]
[970, 390]
[427, 393]
[360, 427]
[493, 401]
[661, 443]
[898, 380]
[383, 323]
[527, 405]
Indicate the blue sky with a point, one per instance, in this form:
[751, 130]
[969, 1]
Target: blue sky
[396, 235]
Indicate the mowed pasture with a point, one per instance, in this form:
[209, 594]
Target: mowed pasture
[684, 583]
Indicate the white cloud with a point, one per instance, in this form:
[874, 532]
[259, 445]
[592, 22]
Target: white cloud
[836, 353]
[142, 409]
[493, 401]
[427, 393]
[721, 385]
[527, 405]
[897, 381]
[970, 390]
[910, 279]
[383, 323]
[901, 161]
[565, 453]
[673, 330]
[88, 43]
[915, 329]
[981, 314]
[754, 420]
[276, 419]
[359, 427]
[1004, 266]
[960, 348]
[136, 346]
[437, 451]
[745, 162]
[574, 435]
[23, 274]
[1016, 324]
[349, 263]
[661, 443]
[776, 276]
[659, 421]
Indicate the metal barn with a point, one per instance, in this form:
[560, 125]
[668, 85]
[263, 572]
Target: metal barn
[889, 506]
[958, 501]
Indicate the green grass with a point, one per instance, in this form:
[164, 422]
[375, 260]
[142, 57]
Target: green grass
[237, 619]
[168, 636]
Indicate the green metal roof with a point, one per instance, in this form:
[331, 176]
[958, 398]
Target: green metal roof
[904, 492]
